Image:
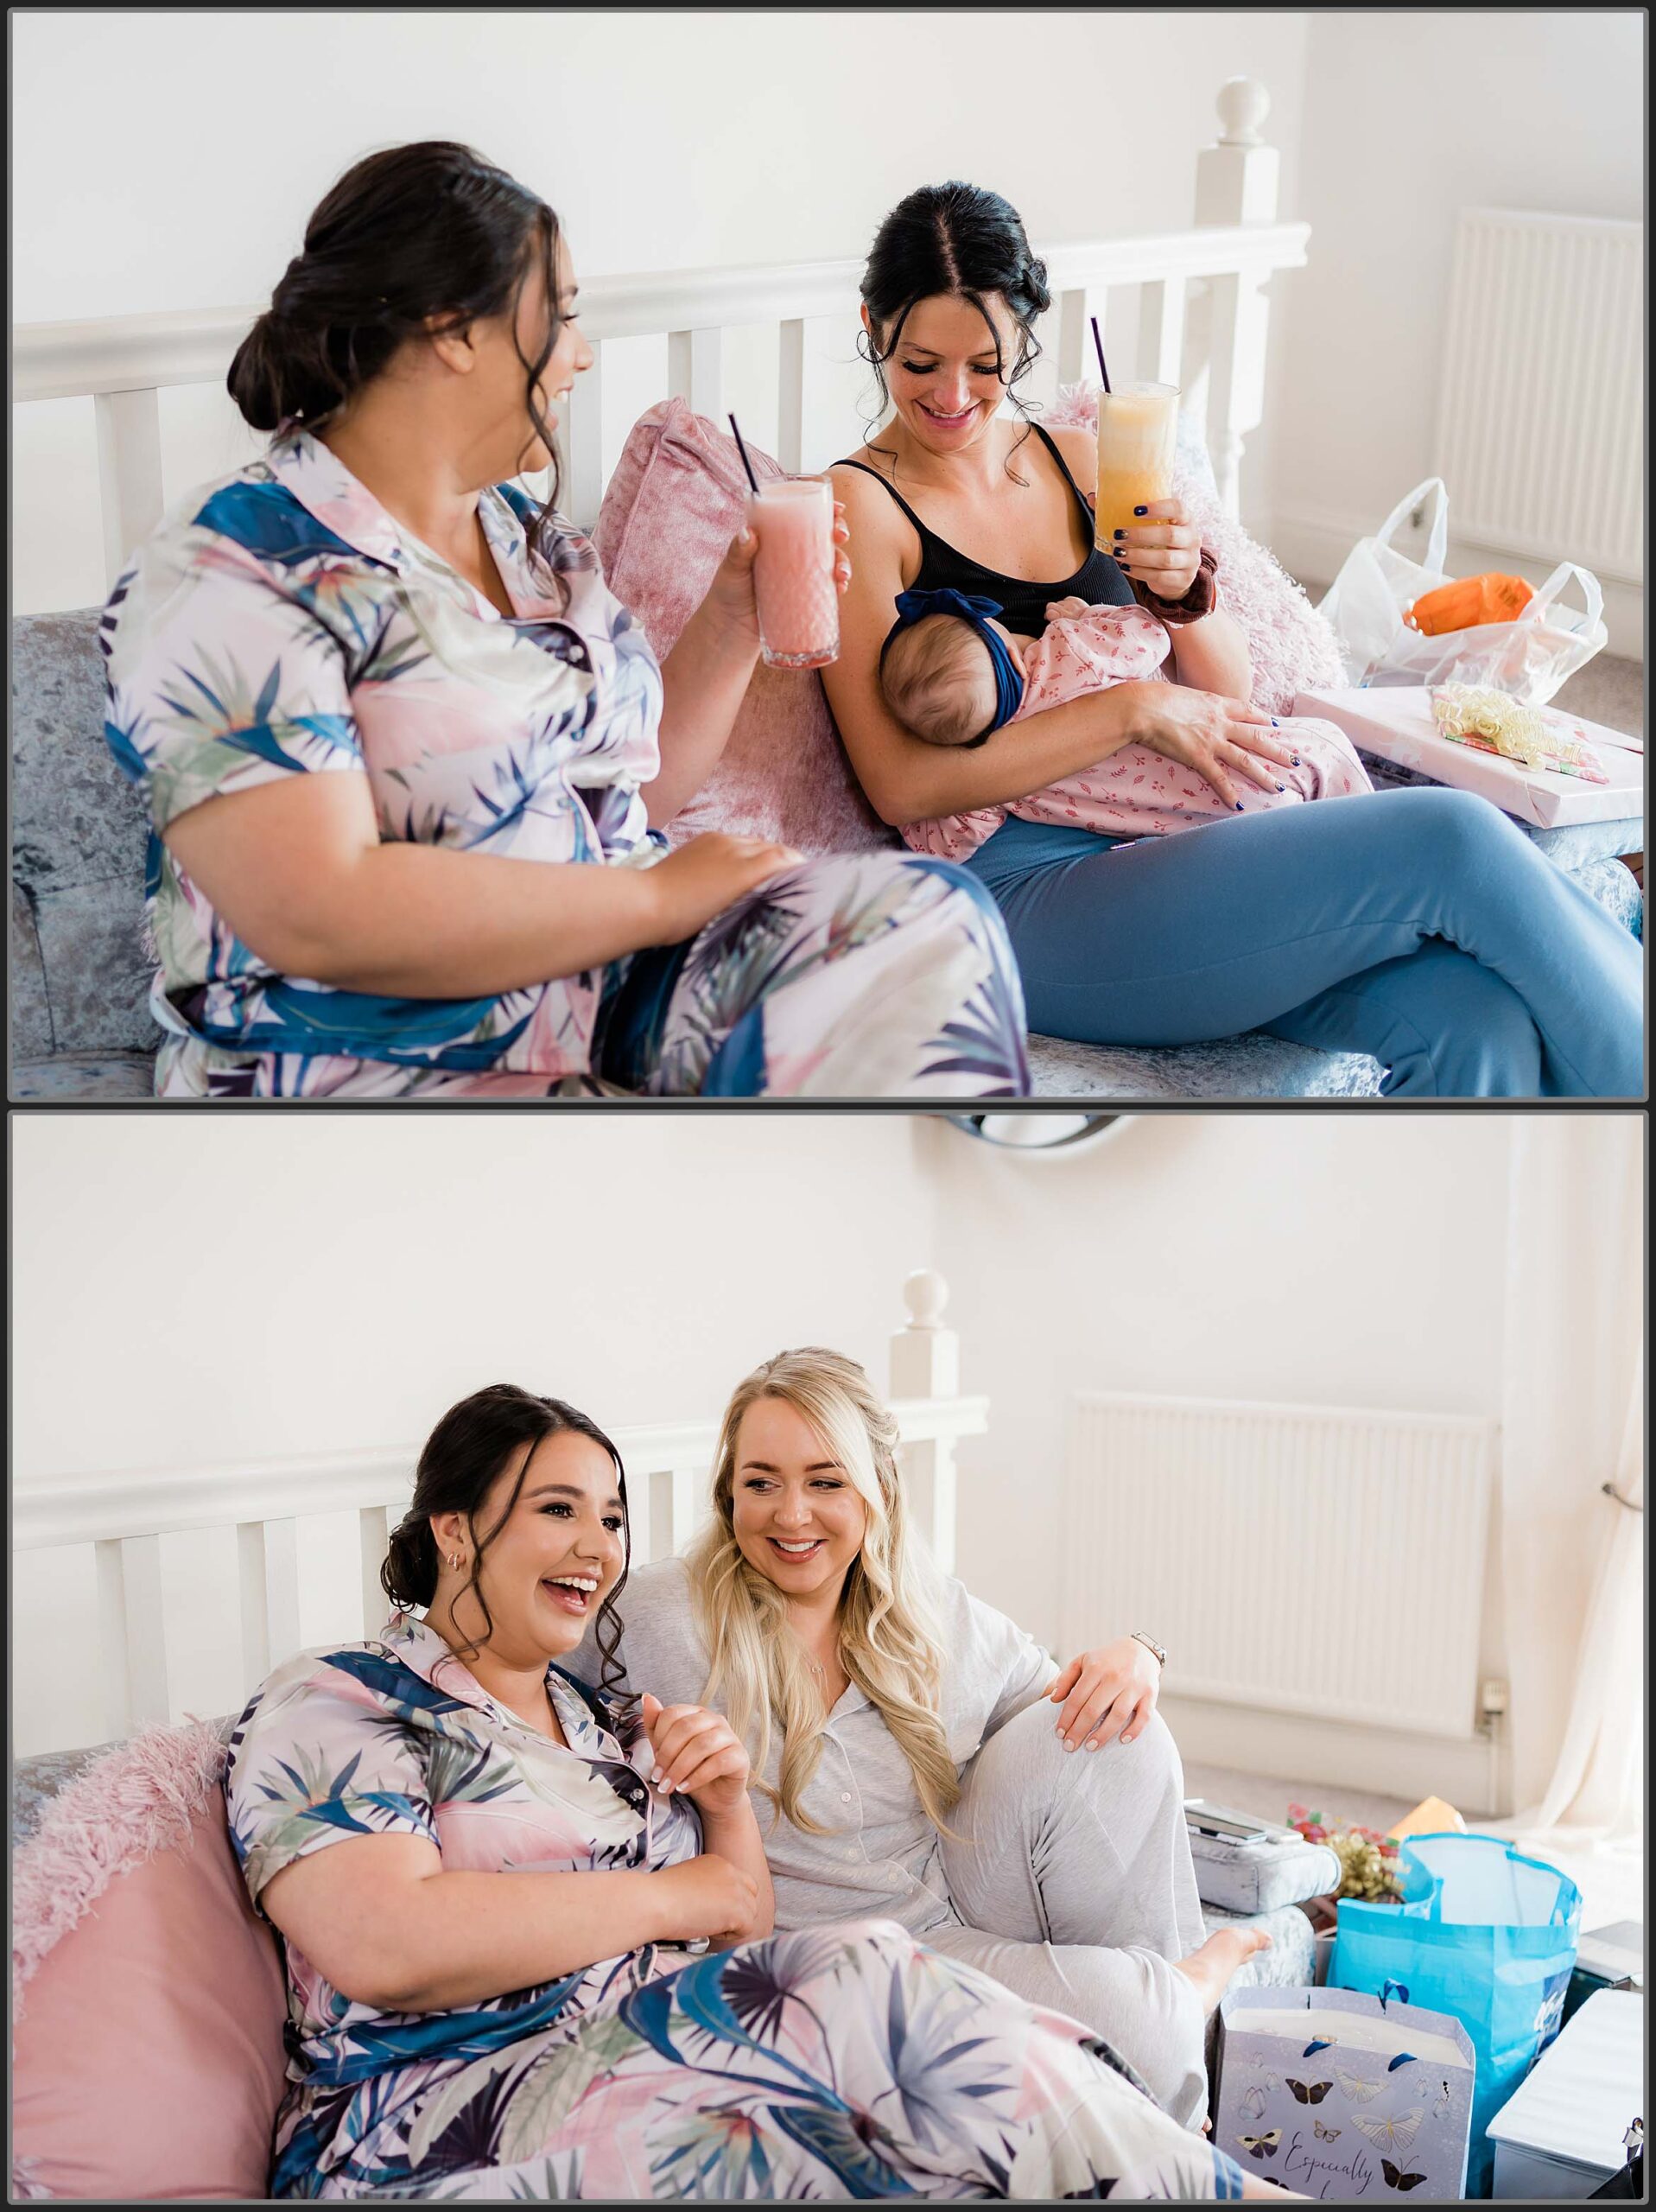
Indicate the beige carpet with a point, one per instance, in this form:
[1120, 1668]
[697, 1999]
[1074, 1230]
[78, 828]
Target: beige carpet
[1267, 1797]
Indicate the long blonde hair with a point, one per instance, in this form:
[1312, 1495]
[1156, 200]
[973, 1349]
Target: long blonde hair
[889, 1642]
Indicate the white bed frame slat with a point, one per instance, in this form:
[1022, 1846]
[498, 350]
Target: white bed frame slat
[129, 471]
[132, 1627]
[127, 1515]
[695, 370]
[1201, 308]
[374, 1542]
[267, 1556]
[790, 393]
[1161, 330]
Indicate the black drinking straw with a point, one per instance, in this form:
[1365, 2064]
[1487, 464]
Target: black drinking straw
[1097, 341]
[742, 449]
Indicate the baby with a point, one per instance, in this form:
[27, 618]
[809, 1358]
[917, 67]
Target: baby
[952, 675]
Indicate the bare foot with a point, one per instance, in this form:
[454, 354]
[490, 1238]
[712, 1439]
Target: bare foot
[1212, 1964]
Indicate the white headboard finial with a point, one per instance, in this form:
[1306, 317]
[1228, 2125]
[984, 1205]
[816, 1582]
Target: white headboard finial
[1243, 105]
[925, 1293]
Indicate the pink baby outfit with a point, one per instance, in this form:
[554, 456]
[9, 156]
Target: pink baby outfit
[1136, 793]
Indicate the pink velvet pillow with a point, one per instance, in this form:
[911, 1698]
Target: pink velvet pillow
[148, 2000]
[673, 506]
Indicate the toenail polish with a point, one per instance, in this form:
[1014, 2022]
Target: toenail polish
[1239, 806]
[1141, 510]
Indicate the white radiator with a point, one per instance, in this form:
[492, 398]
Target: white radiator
[1303, 1559]
[1539, 434]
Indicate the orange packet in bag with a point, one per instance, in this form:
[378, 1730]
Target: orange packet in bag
[1474, 600]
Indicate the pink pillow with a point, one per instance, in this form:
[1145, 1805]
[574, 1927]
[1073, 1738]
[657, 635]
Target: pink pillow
[149, 2000]
[673, 506]
[1292, 646]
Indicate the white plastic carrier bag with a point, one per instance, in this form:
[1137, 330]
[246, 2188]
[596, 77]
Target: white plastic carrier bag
[1529, 658]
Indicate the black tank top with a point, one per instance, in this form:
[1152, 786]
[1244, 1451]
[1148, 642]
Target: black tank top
[1098, 580]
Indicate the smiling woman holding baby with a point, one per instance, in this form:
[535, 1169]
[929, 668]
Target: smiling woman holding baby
[1421, 927]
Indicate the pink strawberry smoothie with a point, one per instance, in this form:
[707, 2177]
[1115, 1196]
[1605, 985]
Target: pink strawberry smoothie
[793, 572]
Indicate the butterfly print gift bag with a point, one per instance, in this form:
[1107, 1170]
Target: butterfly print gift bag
[1345, 2096]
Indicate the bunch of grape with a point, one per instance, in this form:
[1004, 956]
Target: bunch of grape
[1367, 1860]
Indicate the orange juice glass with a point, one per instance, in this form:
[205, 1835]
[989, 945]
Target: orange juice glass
[1137, 432]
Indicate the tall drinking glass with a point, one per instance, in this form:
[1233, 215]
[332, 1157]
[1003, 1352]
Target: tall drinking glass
[792, 518]
[1138, 434]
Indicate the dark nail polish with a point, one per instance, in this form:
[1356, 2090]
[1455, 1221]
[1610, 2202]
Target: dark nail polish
[1239, 806]
[1282, 787]
[1295, 760]
[1275, 724]
[1141, 510]
[1120, 533]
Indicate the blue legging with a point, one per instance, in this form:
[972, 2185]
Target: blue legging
[1421, 927]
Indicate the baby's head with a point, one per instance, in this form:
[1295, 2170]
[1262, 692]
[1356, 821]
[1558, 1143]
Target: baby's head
[940, 680]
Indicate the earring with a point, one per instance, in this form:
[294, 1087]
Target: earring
[456, 1561]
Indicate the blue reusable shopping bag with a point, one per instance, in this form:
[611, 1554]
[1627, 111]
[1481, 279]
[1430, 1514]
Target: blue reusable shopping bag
[1482, 1932]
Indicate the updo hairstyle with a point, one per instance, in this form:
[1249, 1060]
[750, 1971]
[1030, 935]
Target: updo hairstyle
[415, 233]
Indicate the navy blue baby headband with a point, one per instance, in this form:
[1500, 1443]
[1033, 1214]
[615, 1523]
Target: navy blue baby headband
[914, 606]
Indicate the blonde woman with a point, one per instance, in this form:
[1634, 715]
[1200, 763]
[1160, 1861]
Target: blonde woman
[906, 1759]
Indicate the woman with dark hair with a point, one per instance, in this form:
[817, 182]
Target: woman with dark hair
[1421, 927]
[365, 677]
[458, 2034]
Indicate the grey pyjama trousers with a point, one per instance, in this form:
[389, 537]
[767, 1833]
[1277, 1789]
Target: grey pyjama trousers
[1071, 1872]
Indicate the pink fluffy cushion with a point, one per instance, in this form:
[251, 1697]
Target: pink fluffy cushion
[673, 506]
[149, 2000]
[1292, 645]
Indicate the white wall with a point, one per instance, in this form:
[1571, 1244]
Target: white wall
[192, 1288]
[1409, 117]
[1305, 1257]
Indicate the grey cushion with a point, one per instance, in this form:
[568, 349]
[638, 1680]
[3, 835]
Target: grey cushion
[78, 833]
[1259, 1878]
[36, 1782]
[1254, 1066]
[68, 1078]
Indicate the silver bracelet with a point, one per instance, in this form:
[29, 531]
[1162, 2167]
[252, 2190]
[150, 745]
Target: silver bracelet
[1150, 1644]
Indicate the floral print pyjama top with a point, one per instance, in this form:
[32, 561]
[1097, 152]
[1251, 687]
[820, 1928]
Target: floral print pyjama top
[281, 623]
[831, 2063]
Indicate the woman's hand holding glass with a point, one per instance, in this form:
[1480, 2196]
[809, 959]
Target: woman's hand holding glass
[1163, 552]
[1106, 1692]
[731, 594]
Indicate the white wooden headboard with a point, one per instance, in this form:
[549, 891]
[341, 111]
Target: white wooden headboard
[1186, 307]
[126, 1516]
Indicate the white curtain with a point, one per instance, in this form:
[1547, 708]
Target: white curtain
[1572, 1556]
